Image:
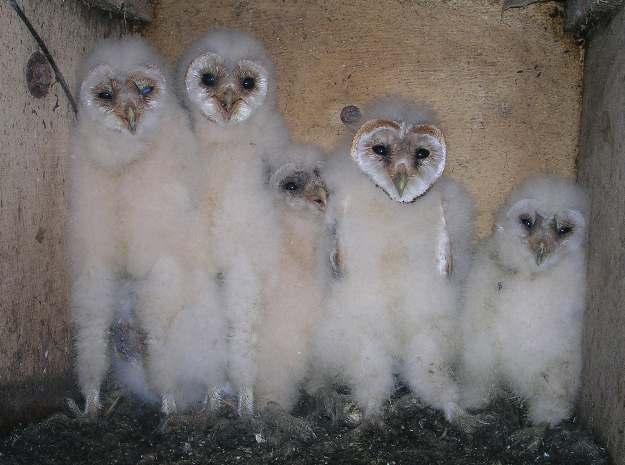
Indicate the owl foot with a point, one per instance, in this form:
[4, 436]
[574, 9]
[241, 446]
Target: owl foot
[371, 424]
[340, 408]
[168, 408]
[214, 400]
[92, 406]
[245, 406]
[284, 425]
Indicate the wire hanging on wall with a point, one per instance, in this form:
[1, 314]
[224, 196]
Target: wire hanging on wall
[47, 54]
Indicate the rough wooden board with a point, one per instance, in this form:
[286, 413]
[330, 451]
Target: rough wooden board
[507, 86]
[602, 169]
[582, 15]
[34, 317]
[133, 10]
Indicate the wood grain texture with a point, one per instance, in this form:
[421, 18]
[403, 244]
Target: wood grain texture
[506, 85]
[602, 170]
[35, 337]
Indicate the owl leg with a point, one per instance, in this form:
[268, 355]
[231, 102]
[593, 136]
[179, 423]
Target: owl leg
[427, 371]
[93, 298]
[478, 373]
[554, 394]
[371, 377]
[243, 303]
[160, 300]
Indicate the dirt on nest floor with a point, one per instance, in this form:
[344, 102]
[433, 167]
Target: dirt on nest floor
[319, 433]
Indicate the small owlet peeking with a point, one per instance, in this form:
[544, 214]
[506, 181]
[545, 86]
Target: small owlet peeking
[131, 202]
[525, 301]
[229, 86]
[399, 229]
[286, 329]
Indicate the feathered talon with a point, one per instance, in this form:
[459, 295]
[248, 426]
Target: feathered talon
[245, 406]
[214, 400]
[92, 406]
[286, 424]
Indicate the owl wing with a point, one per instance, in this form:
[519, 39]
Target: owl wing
[459, 214]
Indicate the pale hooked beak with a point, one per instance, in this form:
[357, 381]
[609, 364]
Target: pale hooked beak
[541, 253]
[319, 197]
[227, 99]
[131, 117]
[400, 179]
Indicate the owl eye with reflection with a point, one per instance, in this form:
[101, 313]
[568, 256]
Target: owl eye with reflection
[105, 95]
[564, 230]
[291, 186]
[422, 153]
[248, 83]
[209, 79]
[381, 149]
[527, 221]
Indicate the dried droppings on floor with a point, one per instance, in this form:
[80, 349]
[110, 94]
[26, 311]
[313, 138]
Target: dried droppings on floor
[409, 433]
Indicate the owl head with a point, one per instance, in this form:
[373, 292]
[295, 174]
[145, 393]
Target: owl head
[543, 221]
[227, 76]
[396, 144]
[125, 88]
[298, 181]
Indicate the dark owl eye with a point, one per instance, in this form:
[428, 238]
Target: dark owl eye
[564, 229]
[209, 79]
[380, 149]
[290, 186]
[147, 90]
[105, 95]
[422, 153]
[526, 221]
[248, 83]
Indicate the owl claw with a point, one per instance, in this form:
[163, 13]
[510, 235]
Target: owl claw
[92, 405]
[245, 406]
[468, 423]
[286, 424]
[214, 400]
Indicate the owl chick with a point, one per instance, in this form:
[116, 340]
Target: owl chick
[525, 301]
[230, 89]
[132, 175]
[392, 308]
[286, 329]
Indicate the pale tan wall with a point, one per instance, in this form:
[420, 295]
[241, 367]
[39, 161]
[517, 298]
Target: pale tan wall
[602, 170]
[507, 87]
[34, 137]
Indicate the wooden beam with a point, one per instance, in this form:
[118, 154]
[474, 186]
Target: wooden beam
[133, 10]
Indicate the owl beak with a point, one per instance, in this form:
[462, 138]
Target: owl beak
[541, 253]
[319, 197]
[131, 117]
[400, 179]
[227, 99]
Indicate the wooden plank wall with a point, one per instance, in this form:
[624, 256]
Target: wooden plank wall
[506, 85]
[35, 342]
[602, 170]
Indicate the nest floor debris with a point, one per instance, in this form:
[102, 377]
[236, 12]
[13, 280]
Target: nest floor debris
[409, 433]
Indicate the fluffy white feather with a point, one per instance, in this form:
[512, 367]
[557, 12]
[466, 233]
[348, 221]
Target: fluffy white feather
[525, 298]
[241, 136]
[132, 193]
[393, 309]
[287, 327]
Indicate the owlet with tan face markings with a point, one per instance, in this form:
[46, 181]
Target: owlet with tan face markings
[525, 298]
[229, 85]
[402, 238]
[285, 333]
[132, 202]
